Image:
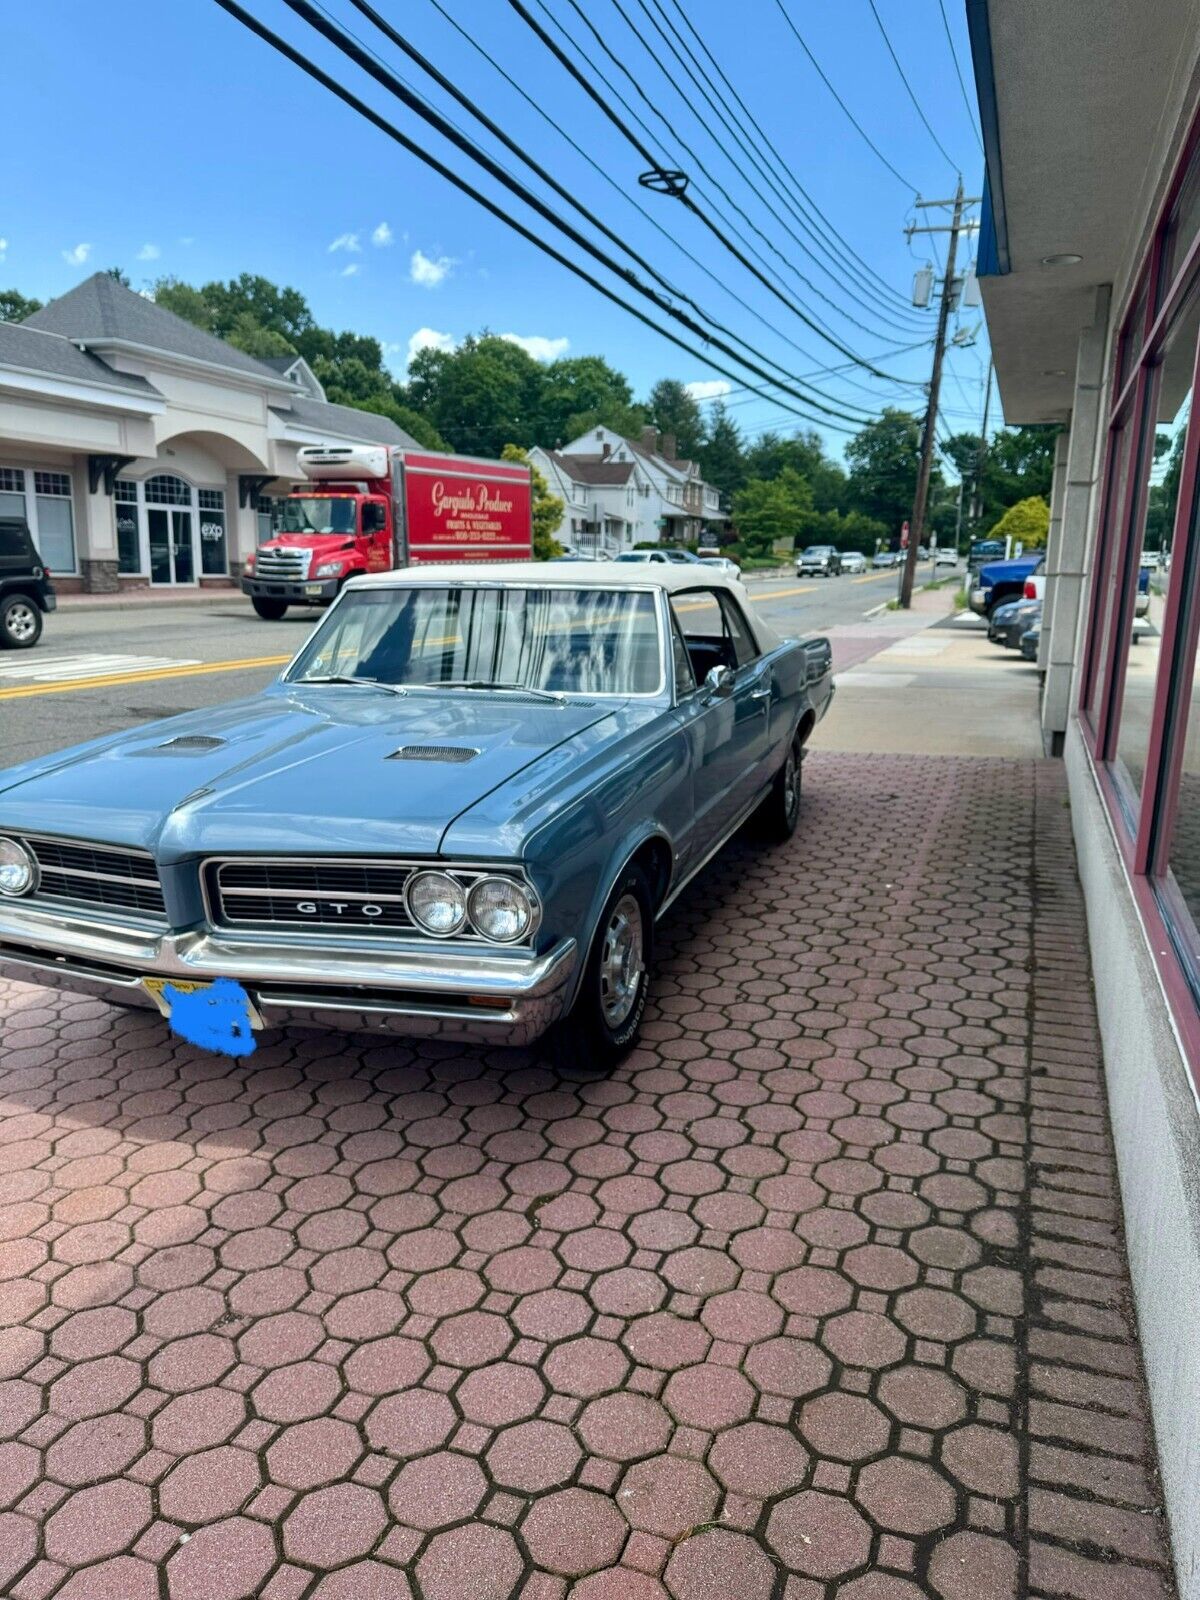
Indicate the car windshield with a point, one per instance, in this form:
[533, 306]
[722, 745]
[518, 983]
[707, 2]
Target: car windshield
[327, 514]
[817, 550]
[560, 640]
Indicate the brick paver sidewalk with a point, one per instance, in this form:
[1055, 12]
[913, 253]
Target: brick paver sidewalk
[820, 1297]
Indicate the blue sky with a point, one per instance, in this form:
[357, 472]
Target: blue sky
[165, 139]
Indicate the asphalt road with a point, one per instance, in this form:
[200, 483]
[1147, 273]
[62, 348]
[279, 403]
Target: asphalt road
[99, 671]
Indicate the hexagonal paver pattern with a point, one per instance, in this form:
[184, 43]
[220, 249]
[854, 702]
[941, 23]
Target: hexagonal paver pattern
[362, 1319]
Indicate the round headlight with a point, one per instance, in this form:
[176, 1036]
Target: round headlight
[436, 903]
[500, 909]
[18, 869]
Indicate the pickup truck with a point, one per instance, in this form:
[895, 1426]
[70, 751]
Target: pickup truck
[998, 581]
[1035, 587]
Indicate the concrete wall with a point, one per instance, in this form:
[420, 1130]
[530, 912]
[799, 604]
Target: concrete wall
[1156, 1129]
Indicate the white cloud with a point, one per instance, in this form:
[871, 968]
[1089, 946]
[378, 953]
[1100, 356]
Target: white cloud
[149, 252]
[428, 271]
[538, 346]
[3, 248]
[351, 271]
[708, 389]
[382, 235]
[429, 339]
[78, 255]
[187, 239]
[345, 241]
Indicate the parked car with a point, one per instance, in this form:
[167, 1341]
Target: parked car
[853, 561]
[26, 592]
[725, 564]
[1024, 614]
[1000, 618]
[945, 556]
[662, 554]
[1030, 641]
[819, 560]
[459, 811]
[884, 558]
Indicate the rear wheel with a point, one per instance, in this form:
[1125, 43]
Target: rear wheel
[269, 610]
[20, 622]
[607, 1016]
[777, 817]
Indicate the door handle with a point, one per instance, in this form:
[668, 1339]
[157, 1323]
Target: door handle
[761, 694]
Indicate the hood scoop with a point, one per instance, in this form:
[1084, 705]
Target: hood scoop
[434, 752]
[192, 741]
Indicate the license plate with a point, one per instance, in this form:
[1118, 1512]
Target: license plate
[154, 988]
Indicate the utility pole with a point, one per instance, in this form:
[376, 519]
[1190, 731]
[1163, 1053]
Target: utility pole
[981, 454]
[908, 571]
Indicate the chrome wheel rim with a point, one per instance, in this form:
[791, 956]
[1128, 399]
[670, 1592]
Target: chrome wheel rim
[621, 961]
[22, 623]
[791, 783]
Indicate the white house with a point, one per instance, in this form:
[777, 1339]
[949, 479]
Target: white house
[141, 449]
[622, 492]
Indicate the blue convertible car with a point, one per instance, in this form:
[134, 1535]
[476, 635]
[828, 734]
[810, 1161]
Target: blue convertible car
[458, 812]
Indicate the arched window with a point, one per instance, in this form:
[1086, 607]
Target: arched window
[165, 489]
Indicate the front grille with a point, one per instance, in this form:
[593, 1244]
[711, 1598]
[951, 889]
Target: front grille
[96, 877]
[352, 896]
[291, 564]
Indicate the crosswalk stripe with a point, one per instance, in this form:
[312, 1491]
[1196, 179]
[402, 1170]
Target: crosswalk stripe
[55, 669]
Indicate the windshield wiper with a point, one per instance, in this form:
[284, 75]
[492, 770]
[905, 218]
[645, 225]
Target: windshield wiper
[369, 683]
[502, 688]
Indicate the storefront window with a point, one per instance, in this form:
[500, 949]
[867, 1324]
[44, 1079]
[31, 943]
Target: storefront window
[1183, 854]
[213, 558]
[125, 511]
[12, 492]
[1107, 574]
[1169, 399]
[1184, 223]
[264, 518]
[55, 522]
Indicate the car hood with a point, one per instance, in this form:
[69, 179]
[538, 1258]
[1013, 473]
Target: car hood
[1016, 570]
[297, 768]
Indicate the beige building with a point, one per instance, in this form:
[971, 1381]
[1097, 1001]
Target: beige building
[142, 450]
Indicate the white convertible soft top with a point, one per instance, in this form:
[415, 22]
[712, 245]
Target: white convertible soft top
[673, 577]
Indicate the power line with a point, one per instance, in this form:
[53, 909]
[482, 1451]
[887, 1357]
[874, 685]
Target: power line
[858, 127]
[493, 128]
[909, 87]
[839, 248]
[958, 73]
[885, 314]
[675, 184]
[280, 45]
[358, 53]
[671, 237]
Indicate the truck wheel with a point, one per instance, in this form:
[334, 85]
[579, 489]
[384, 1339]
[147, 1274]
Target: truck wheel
[20, 622]
[777, 817]
[607, 1016]
[269, 610]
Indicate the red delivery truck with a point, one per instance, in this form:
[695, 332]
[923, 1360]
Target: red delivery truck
[369, 508]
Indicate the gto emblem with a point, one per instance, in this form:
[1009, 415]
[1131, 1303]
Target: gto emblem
[313, 908]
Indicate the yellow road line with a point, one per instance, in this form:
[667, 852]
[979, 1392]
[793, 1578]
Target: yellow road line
[874, 577]
[780, 594]
[196, 671]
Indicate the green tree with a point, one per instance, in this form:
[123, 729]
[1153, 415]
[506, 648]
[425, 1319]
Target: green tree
[804, 452]
[119, 274]
[673, 410]
[1027, 521]
[884, 457]
[849, 530]
[771, 511]
[579, 393]
[1018, 462]
[15, 306]
[421, 429]
[722, 456]
[480, 396]
[547, 508]
[1164, 497]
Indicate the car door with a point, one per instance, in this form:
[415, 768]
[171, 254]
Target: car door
[729, 731]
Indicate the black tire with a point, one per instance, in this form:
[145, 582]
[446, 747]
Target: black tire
[20, 622]
[603, 1025]
[269, 610]
[778, 816]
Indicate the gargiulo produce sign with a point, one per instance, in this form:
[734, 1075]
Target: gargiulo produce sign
[456, 509]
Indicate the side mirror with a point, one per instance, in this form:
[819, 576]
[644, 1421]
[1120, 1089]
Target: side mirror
[718, 681]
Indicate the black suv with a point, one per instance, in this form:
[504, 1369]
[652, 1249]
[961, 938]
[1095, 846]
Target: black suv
[25, 587]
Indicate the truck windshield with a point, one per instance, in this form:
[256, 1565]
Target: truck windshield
[330, 514]
[565, 641]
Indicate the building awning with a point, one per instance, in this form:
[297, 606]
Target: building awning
[1073, 99]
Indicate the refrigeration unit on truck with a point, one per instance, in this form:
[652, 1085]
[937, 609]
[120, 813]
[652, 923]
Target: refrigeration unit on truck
[369, 508]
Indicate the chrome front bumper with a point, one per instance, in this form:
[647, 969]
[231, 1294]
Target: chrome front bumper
[417, 991]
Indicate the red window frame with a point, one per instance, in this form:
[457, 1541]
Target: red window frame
[1143, 825]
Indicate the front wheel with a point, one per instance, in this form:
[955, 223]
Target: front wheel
[778, 815]
[269, 610]
[607, 1016]
[20, 623]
